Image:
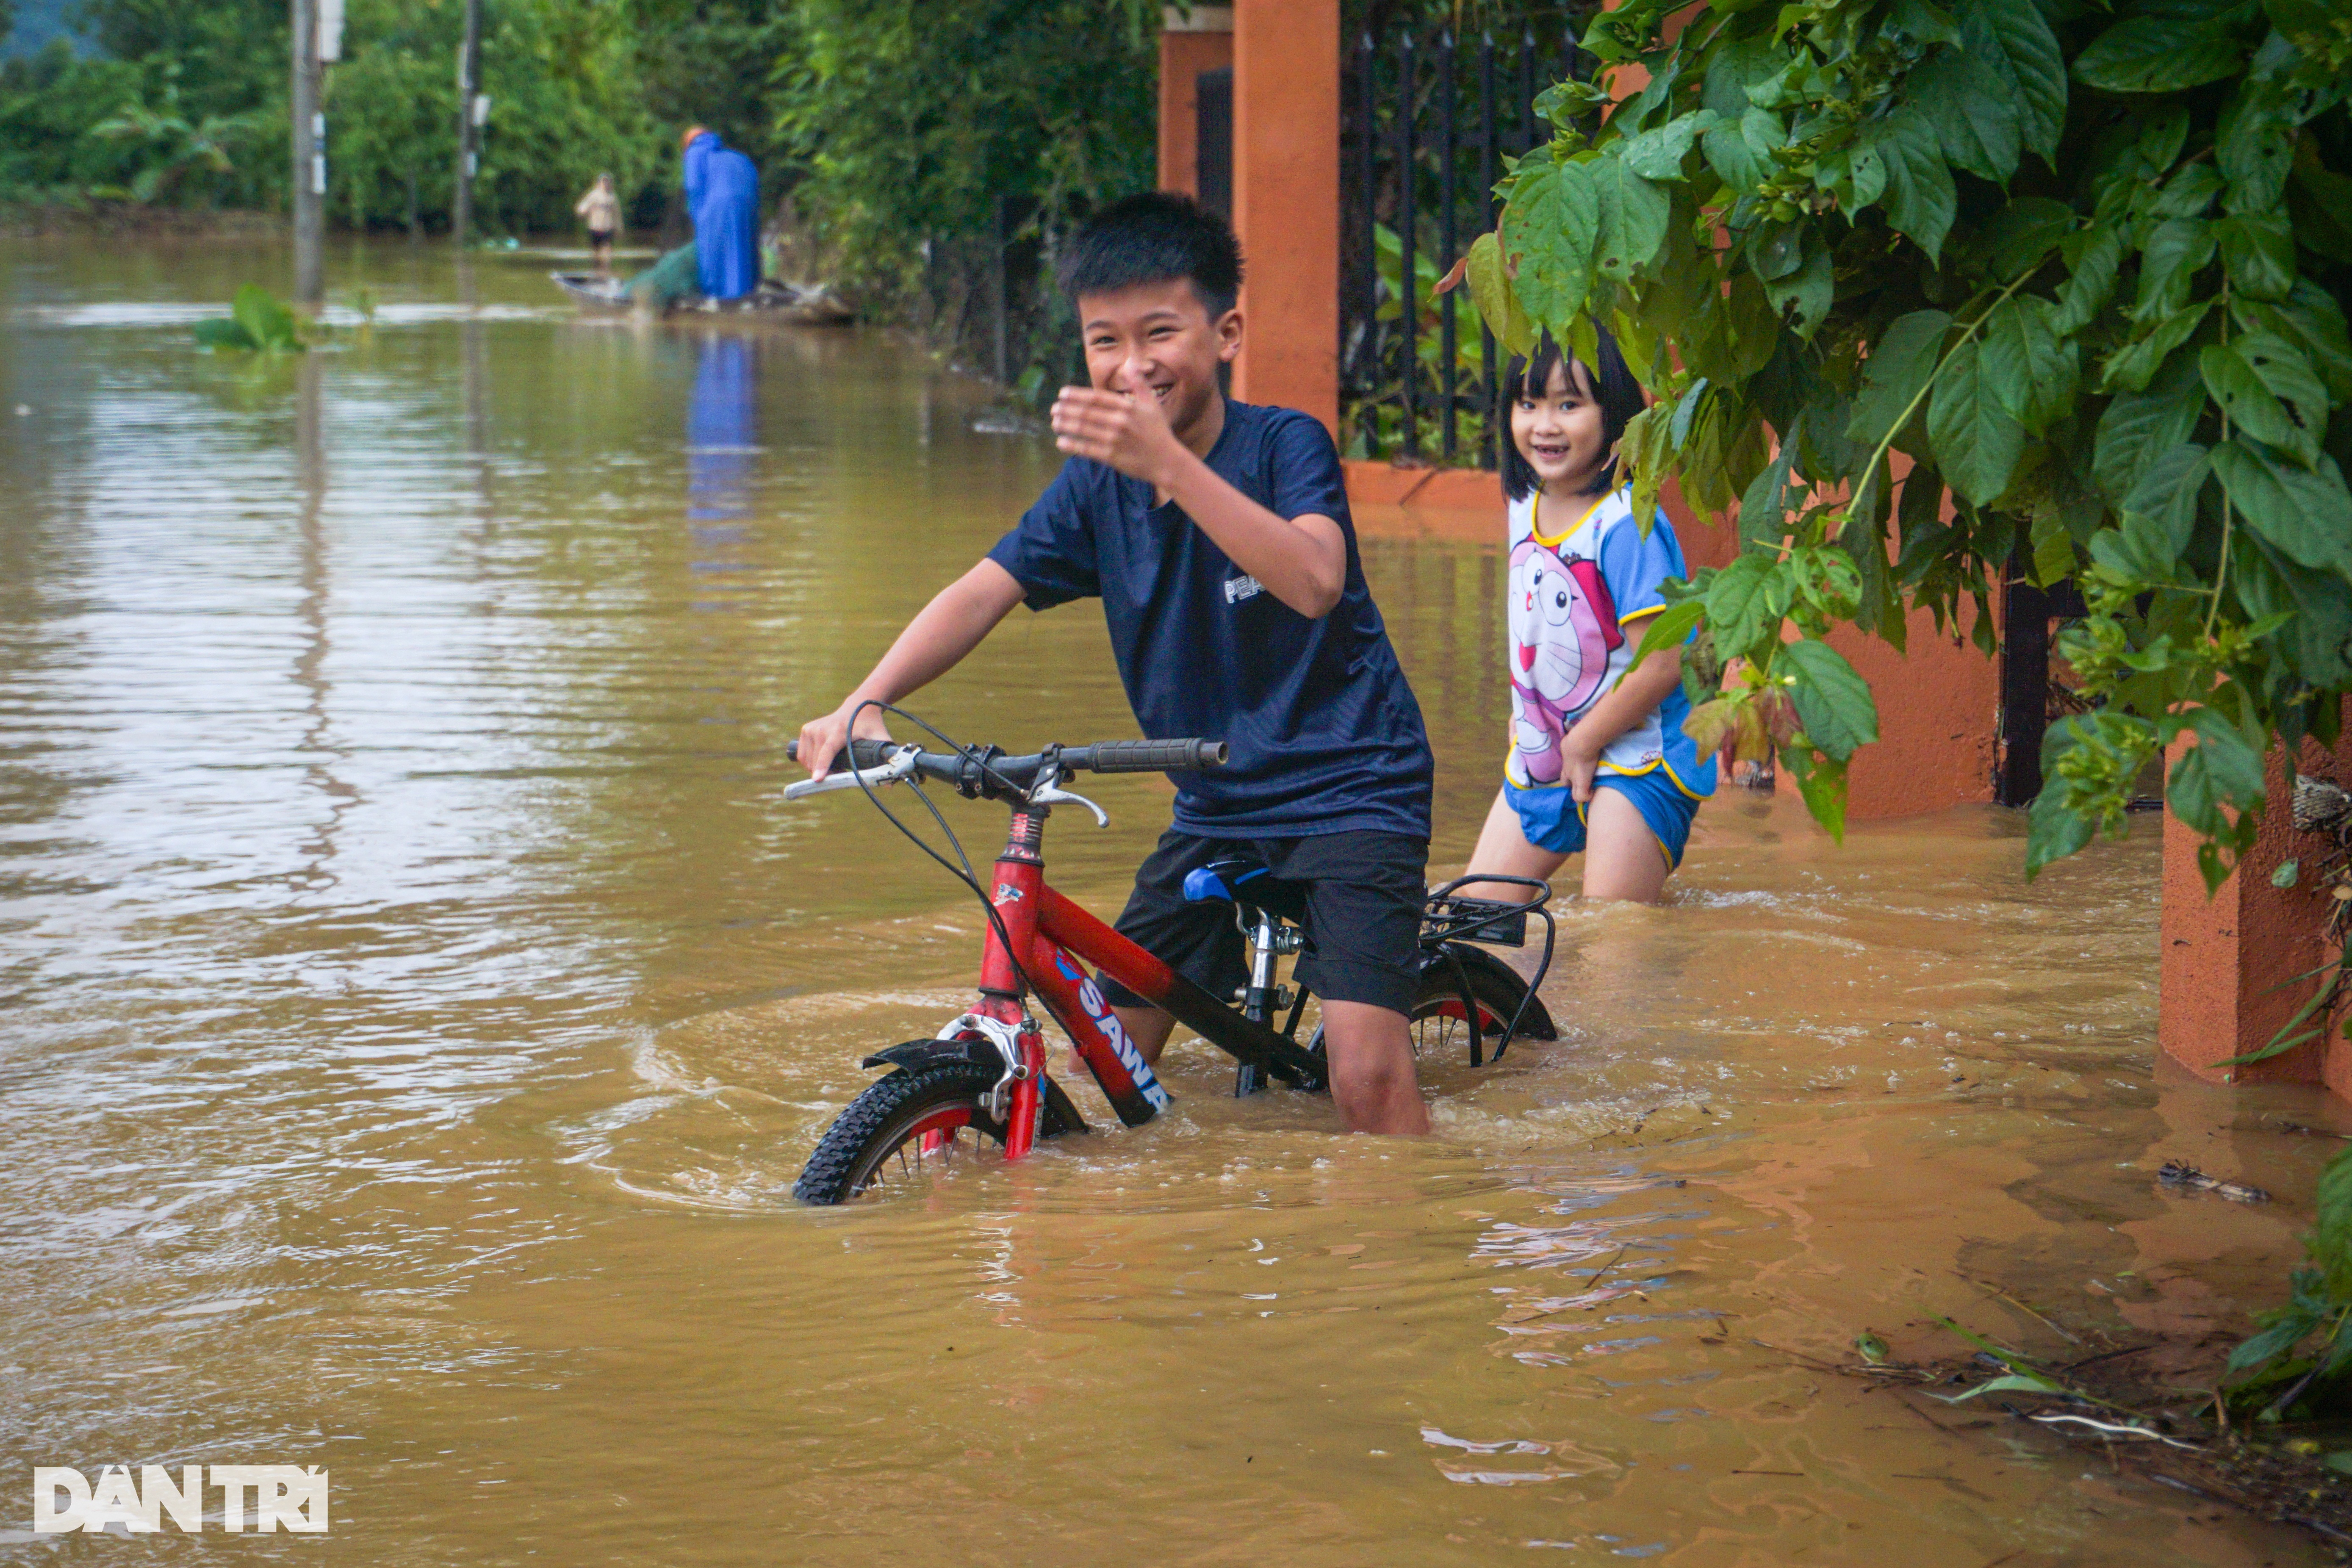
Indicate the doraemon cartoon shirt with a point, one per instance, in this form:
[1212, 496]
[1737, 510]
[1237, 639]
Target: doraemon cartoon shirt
[1578, 596]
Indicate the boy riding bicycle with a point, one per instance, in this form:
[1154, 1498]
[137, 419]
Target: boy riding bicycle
[1217, 535]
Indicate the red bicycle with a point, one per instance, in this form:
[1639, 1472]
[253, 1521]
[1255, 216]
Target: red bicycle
[982, 1079]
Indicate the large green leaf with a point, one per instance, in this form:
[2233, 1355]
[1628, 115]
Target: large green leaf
[2321, 201]
[1822, 781]
[2162, 133]
[2139, 428]
[1740, 150]
[1833, 703]
[1802, 298]
[2258, 252]
[1738, 606]
[1923, 21]
[2316, 605]
[1657, 153]
[1491, 291]
[2159, 54]
[2191, 193]
[2133, 366]
[222, 334]
[2017, 237]
[2053, 549]
[2286, 374]
[2222, 769]
[1634, 213]
[2165, 495]
[1737, 64]
[2254, 147]
[2312, 322]
[2168, 265]
[2016, 39]
[1920, 199]
[1978, 442]
[2026, 364]
[2053, 828]
[2093, 258]
[1763, 506]
[2305, 513]
[1755, 325]
[1670, 628]
[2248, 404]
[2136, 553]
[1974, 110]
[1896, 369]
[1551, 225]
[270, 324]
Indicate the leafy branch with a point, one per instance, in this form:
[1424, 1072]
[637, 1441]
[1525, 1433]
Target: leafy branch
[1779, 228]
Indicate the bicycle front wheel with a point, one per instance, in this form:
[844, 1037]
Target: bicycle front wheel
[911, 1127]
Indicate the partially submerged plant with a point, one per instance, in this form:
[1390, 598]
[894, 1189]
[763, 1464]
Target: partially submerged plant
[257, 323]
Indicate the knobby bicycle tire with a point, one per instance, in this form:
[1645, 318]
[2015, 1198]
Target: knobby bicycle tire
[893, 1111]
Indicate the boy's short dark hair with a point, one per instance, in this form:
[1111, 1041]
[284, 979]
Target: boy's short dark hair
[1152, 238]
[1613, 387]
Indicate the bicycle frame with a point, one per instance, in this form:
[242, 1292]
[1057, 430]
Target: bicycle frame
[1056, 938]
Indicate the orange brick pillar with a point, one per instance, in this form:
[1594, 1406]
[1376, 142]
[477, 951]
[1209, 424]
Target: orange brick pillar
[1287, 202]
[2227, 958]
[1190, 44]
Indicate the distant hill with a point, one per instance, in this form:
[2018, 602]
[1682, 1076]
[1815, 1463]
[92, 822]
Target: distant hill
[38, 21]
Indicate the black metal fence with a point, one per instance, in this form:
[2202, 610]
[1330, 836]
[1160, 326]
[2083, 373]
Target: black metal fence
[1429, 121]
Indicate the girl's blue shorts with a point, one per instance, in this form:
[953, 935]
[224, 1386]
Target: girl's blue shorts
[1552, 820]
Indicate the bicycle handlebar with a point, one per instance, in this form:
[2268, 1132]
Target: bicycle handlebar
[1148, 756]
[977, 773]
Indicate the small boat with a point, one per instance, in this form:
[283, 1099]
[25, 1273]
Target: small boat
[816, 306]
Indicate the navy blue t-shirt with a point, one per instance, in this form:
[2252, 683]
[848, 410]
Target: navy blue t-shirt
[1325, 735]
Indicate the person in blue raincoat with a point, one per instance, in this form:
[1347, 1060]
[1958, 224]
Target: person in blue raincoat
[722, 197]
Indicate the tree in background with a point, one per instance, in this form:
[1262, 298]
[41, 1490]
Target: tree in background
[904, 123]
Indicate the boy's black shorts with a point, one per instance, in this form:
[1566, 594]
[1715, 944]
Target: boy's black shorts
[1363, 915]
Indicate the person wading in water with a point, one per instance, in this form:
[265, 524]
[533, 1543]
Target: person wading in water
[601, 210]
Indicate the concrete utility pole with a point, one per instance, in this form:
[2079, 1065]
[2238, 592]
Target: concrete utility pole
[309, 159]
[469, 131]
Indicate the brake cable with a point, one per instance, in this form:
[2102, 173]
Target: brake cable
[961, 868]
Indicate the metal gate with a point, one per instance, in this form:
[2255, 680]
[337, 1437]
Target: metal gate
[1429, 121]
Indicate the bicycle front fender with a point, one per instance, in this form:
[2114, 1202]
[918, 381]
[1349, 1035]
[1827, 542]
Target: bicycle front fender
[914, 1056]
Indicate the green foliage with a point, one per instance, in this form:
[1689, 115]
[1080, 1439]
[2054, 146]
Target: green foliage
[257, 322]
[188, 107]
[168, 147]
[909, 122]
[2053, 284]
[175, 109]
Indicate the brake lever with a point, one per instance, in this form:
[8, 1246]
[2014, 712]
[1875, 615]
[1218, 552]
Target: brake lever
[1048, 791]
[898, 767]
[1051, 795]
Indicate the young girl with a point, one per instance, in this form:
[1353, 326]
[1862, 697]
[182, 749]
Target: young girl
[1599, 762]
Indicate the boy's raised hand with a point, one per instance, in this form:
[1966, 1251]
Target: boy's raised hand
[1127, 430]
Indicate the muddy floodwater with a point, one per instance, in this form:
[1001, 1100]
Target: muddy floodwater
[416, 1000]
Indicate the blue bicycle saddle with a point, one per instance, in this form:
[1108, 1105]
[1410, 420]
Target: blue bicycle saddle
[1245, 881]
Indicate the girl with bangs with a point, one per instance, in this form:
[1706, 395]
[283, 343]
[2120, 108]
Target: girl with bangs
[1599, 764]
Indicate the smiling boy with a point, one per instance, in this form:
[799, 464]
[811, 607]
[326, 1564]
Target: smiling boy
[1217, 536]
